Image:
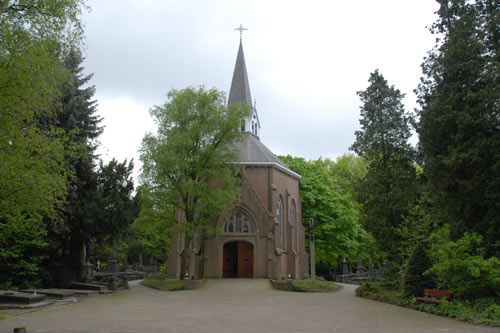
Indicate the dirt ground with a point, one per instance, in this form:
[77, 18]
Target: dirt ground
[229, 305]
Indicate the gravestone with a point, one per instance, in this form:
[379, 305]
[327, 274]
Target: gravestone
[112, 266]
[16, 297]
[51, 293]
[345, 267]
[360, 270]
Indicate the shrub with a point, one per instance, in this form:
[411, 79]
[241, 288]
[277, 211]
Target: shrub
[461, 265]
[414, 280]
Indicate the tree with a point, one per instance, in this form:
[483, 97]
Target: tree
[187, 164]
[414, 279]
[74, 113]
[459, 127]
[33, 176]
[336, 228]
[389, 186]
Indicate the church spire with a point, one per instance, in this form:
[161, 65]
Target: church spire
[240, 91]
[240, 88]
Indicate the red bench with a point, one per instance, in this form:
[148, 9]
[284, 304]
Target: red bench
[434, 293]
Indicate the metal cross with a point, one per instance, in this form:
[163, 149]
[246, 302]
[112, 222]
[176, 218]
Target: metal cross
[241, 29]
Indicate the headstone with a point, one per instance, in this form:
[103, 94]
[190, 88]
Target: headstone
[112, 283]
[360, 270]
[87, 271]
[345, 267]
[112, 266]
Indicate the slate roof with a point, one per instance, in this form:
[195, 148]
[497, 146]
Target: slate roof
[240, 88]
[252, 151]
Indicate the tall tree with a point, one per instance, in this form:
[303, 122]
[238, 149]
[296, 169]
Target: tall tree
[328, 200]
[75, 115]
[186, 165]
[390, 182]
[33, 173]
[459, 126]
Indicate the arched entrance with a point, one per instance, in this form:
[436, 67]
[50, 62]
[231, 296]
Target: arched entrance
[237, 260]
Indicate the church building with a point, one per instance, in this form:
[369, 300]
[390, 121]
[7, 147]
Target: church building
[264, 236]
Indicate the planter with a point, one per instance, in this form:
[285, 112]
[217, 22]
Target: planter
[192, 284]
[282, 285]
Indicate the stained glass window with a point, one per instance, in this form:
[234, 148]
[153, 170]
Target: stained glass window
[239, 222]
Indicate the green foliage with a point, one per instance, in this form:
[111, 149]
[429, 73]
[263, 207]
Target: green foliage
[151, 233]
[164, 284]
[459, 97]
[33, 176]
[386, 291]
[336, 228]
[462, 267]
[479, 311]
[390, 185]
[186, 165]
[310, 286]
[414, 280]
[385, 125]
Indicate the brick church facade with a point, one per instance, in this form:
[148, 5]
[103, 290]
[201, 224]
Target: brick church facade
[264, 235]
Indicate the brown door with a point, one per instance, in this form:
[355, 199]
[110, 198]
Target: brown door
[229, 260]
[245, 260]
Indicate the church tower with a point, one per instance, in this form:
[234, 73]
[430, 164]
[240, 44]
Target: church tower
[240, 93]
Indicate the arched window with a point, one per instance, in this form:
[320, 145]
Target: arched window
[239, 222]
[291, 217]
[279, 216]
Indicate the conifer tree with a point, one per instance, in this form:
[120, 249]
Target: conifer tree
[390, 182]
[459, 127]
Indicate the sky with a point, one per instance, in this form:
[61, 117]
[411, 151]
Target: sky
[305, 60]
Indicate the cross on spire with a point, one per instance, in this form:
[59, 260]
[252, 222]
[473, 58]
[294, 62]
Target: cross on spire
[241, 29]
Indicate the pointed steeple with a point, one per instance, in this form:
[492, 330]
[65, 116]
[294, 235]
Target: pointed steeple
[240, 88]
[240, 92]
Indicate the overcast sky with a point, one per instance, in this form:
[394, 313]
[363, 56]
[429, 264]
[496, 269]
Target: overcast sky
[305, 62]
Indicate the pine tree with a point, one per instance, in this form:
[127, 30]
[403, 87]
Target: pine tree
[390, 183]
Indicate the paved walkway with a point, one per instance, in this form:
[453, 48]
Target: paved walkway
[233, 306]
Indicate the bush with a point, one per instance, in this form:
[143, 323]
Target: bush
[479, 311]
[461, 265]
[385, 291]
[414, 280]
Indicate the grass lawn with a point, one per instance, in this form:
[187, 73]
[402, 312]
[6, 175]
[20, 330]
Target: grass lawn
[310, 286]
[163, 284]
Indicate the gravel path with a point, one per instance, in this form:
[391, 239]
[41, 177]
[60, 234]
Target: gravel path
[233, 306]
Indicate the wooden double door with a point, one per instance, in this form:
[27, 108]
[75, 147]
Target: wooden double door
[237, 260]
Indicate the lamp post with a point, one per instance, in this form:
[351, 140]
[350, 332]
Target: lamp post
[313, 259]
